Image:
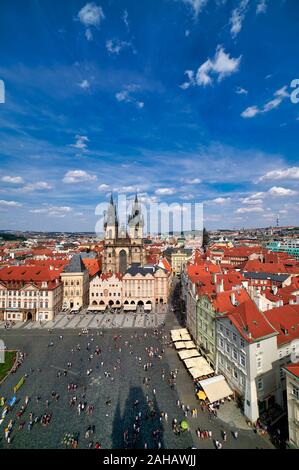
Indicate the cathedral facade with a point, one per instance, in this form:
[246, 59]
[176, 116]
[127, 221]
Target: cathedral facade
[123, 246]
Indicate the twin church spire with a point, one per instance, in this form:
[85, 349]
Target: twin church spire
[135, 222]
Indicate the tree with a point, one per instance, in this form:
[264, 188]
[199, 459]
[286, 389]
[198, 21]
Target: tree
[205, 239]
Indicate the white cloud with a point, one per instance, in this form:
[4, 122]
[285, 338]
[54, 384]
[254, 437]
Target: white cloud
[218, 200]
[256, 198]
[245, 210]
[144, 198]
[125, 18]
[103, 187]
[53, 211]
[281, 192]
[196, 5]
[191, 81]
[88, 34]
[80, 142]
[237, 18]
[84, 84]
[12, 179]
[127, 97]
[191, 181]
[10, 203]
[187, 197]
[165, 191]
[291, 173]
[115, 46]
[220, 67]
[261, 7]
[78, 176]
[221, 200]
[91, 15]
[250, 112]
[241, 91]
[125, 189]
[38, 186]
[279, 96]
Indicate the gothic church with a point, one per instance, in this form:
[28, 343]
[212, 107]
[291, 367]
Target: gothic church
[122, 248]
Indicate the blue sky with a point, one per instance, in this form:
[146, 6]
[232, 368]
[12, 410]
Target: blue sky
[182, 100]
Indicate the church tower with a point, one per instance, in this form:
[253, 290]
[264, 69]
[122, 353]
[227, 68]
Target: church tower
[111, 222]
[135, 221]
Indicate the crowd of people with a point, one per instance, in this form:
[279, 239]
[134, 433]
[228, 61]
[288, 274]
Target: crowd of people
[87, 362]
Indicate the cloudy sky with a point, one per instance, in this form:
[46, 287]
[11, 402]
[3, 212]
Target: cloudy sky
[181, 100]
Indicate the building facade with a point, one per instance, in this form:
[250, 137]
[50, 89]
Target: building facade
[246, 351]
[30, 293]
[122, 248]
[292, 386]
[146, 288]
[75, 279]
[105, 291]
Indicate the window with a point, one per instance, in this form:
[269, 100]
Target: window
[259, 364]
[295, 391]
[242, 343]
[242, 360]
[221, 327]
[221, 342]
[235, 373]
[235, 354]
[227, 332]
[234, 337]
[258, 345]
[260, 385]
[227, 348]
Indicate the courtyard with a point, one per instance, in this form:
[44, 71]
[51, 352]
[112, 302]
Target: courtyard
[115, 391]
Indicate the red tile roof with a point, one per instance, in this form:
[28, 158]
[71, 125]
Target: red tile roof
[93, 265]
[223, 301]
[250, 322]
[293, 369]
[255, 266]
[15, 277]
[166, 264]
[286, 321]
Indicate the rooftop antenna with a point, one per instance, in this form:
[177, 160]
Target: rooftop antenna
[277, 221]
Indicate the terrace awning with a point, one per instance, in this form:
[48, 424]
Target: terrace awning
[190, 345]
[187, 353]
[180, 335]
[192, 362]
[216, 388]
[179, 345]
[201, 368]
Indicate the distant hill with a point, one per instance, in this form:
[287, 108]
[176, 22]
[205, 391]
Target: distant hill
[11, 237]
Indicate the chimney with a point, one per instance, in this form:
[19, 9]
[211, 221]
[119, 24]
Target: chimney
[274, 289]
[233, 298]
[220, 287]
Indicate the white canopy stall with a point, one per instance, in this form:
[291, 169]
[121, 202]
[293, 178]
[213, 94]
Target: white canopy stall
[216, 388]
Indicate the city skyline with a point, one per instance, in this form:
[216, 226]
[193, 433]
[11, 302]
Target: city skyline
[169, 99]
